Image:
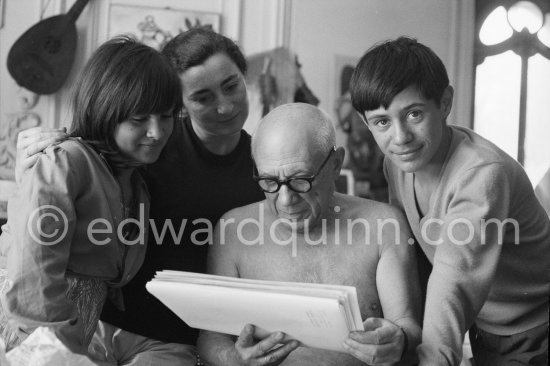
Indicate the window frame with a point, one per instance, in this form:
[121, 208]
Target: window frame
[522, 43]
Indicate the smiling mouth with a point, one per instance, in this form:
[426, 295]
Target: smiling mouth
[230, 119]
[151, 146]
[405, 155]
[292, 214]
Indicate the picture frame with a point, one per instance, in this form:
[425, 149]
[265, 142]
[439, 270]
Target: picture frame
[2, 4]
[343, 66]
[7, 187]
[364, 156]
[155, 26]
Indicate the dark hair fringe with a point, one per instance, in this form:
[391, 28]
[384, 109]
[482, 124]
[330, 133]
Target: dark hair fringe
[388, 68]
[122, 79]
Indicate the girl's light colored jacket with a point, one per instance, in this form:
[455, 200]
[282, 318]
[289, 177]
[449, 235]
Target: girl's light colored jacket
[67, 219]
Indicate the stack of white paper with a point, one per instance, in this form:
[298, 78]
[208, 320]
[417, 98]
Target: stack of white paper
[317, 315]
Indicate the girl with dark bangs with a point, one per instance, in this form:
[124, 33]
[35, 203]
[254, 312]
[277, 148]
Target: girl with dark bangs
[76, 225]
[205, 170]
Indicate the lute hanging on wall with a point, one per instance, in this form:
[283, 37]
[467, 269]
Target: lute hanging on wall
[41, 59]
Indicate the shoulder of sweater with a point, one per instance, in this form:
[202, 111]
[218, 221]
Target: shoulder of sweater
[470, 150]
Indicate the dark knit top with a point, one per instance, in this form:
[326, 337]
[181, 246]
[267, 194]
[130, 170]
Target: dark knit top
[190, 188]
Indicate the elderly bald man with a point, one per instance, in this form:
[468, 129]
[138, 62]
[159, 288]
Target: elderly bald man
[297, 164]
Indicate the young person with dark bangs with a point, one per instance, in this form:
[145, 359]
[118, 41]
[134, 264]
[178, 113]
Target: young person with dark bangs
[62, 263]
[206, 171]
[471, 208]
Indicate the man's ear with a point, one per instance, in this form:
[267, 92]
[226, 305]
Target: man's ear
[340, 154]
[447, 100]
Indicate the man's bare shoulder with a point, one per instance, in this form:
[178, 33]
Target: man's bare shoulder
[359, 207]
[250, 211]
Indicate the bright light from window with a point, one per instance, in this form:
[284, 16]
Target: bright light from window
[525, 14]
[544, 33]
[495, 28]
[537, 131]
[498, 85]
[497, 91]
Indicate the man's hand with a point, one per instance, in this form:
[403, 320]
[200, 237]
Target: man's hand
[265, 352]
[31, 142]
[382, 342]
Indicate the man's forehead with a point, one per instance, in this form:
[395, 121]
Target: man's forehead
[283, 138]
[280, 152]
[291, 157]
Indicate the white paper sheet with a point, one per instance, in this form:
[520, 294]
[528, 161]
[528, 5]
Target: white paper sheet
[319, 316]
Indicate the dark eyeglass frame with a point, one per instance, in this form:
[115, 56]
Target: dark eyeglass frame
[288, 182]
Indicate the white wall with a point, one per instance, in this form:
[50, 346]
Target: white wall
[263, 25]
[20, 108]
[316, 30]
[322, 30]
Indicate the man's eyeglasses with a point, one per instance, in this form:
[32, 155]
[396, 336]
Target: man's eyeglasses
[297, 184]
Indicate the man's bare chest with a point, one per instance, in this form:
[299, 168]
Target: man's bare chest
[355, 268]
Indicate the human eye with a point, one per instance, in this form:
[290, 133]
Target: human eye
[139, 118]
[268, 184]
[202, 98]
[231, 86]
[300, 184]
[382, 122]
[415, 115]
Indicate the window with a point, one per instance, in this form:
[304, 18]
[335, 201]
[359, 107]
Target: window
[512, 82]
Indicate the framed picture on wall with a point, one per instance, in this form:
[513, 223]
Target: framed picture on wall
[365, 158]
[155, 26]
[1, 13]
[7, 188]
[343, 68]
